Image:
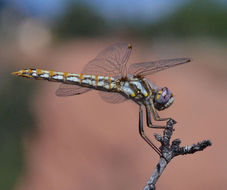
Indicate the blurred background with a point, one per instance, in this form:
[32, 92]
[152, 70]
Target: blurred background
[82, 142]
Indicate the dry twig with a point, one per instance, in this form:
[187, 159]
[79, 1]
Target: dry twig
[169, 151]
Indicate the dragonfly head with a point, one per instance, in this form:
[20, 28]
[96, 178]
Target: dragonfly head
[163, 99]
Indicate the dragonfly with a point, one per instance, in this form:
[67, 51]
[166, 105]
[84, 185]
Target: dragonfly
[116, 82]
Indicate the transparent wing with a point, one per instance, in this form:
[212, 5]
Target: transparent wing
[153, 85]
[70, 90]
[148, 68]
[111, 61]
[112, 97]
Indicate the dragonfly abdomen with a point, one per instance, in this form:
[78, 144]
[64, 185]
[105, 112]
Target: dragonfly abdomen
[91, 81]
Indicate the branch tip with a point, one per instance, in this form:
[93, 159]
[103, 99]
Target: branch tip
[170, 151]
[158, 137]
[171, 122]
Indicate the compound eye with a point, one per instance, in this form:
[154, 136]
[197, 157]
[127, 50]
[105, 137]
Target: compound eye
[163, 95]
[163, 99]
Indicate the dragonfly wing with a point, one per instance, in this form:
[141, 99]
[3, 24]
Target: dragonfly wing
[153, 85]
[70, 90]
[112, 97]
[148, 68]
[111, 61]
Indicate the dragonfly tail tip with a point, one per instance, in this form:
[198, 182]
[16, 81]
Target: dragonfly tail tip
[17, 73]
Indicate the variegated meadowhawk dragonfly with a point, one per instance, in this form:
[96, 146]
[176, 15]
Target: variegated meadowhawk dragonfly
[109, 74]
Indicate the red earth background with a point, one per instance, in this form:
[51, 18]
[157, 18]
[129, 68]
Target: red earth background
[82, 142]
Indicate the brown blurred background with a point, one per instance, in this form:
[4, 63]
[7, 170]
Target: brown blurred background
[81, 142]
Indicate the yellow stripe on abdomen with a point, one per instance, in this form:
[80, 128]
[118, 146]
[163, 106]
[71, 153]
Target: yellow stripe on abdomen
[81, 78]
[38, 71]
[96, 80]
[109, 79]
[51, 73]
[90, 81]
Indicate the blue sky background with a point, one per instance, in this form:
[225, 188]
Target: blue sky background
[145, 9]
[114, 9]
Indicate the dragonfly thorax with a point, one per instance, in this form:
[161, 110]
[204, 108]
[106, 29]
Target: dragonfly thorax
[142, 92]
[137, 89]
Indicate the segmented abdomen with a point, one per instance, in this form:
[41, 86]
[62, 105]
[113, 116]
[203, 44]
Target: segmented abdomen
[92, 81]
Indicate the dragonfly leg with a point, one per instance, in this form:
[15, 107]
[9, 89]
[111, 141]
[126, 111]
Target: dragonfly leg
[149, 121]
[142, 134]
[156, 115]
